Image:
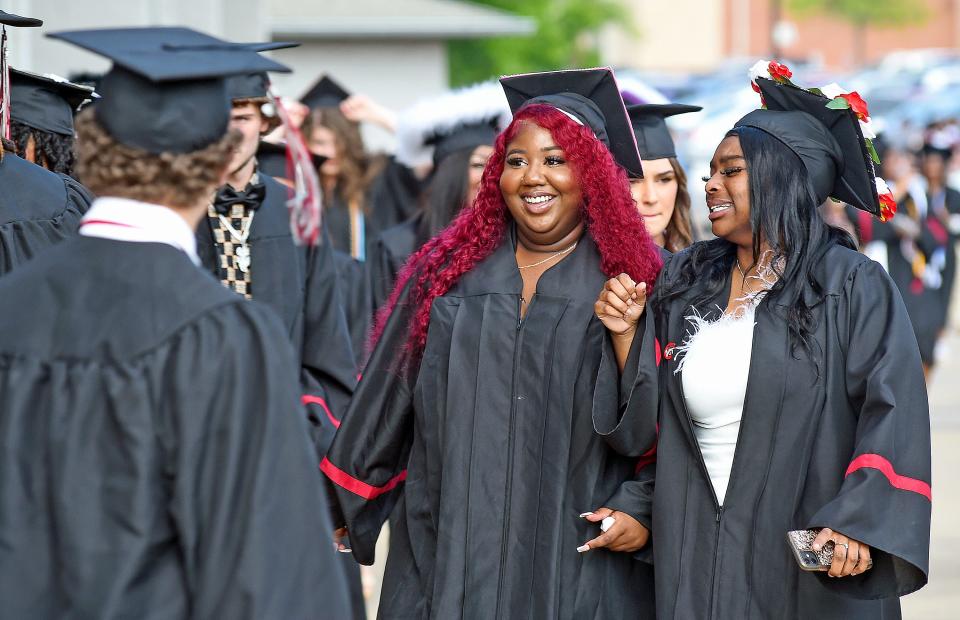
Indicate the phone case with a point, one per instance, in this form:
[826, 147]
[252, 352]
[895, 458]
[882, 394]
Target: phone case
[807, 558]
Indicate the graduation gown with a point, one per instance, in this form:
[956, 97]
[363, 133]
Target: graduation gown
[389, 254]
[153, 464]
[38, 208]
[491, 448]
[300, 284]
[845, 446]
[352, 277]
[926, 305]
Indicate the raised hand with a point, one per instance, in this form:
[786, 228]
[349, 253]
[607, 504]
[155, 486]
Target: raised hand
[621, 304]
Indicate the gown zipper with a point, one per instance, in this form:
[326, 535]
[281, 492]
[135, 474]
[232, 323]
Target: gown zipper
[517, 342]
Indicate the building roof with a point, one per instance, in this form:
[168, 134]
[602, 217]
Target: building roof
[392, 19]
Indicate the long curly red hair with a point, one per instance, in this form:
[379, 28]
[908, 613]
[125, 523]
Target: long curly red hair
[611, 218]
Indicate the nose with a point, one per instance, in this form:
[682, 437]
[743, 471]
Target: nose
[533, 174]
[648, 194]
[713, 184]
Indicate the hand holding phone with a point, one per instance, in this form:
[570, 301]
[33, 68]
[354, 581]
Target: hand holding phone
[825, 550]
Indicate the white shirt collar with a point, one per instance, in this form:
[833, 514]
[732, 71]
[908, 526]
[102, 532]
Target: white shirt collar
[122, 219]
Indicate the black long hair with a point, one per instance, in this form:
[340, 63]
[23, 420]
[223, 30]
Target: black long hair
[53, 151]
[784, 212]
[445, 193]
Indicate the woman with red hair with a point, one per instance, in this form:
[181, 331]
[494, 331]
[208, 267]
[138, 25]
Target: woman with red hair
[490, 420]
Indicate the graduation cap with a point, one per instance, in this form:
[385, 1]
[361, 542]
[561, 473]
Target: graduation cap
[650, 128]
[828, 141]
[466, 136]
[254, 85]
[325, 93]
[590, 97]
[166, 91]
[9, 19]
[46, 102]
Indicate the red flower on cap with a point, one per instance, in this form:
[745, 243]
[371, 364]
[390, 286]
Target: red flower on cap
[780, 73]
[888, 206]
[857, 104]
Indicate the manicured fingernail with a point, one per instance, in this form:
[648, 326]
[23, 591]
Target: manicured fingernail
[607, 523]
[345, 550]
[584, 515]
[583, 548]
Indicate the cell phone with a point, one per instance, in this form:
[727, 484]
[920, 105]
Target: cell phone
[800, 542]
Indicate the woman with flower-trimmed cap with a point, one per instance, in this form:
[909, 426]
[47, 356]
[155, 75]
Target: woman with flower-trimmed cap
[791, 390]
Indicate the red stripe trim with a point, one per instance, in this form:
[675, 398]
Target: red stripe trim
[106, 223]
[358, 487]
[875, 461]
[310, 399]
[648, 457]
[658, 350]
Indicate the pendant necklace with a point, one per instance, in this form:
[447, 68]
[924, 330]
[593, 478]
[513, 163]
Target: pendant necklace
[243, 250]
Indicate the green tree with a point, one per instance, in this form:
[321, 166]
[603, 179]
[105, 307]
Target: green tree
[864, 13]
[566, 37]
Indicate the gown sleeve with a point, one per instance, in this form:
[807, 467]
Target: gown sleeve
[247, 501]
[328, 366]
[885, 497]
[367, 462]
[625, 414]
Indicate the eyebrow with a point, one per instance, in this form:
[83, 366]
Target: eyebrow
[729, 158]
[545, 149]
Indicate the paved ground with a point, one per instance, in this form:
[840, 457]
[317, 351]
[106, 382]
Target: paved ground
[940, 599]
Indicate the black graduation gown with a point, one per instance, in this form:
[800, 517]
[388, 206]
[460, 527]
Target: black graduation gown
[489, 452]
[38, 208]
[388, 256]
[390, 199]
[359, 308]
[153, 464]
[848, 449]
[300, 284]
[925, 305]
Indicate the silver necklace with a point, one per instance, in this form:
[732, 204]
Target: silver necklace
[549, 258]
[243, 250]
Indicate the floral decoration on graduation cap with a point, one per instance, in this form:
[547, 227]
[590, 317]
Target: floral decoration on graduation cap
[829, 128]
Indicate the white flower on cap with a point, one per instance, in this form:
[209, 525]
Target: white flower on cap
[760, 69]
[882, 187]
[833, 90]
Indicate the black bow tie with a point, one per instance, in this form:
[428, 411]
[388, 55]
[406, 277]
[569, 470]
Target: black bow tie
[251, 197]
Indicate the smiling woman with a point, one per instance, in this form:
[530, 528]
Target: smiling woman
[792, 395]
[490, 408]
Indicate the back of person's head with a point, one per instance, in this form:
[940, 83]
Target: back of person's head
[109, 168]
[53, 151]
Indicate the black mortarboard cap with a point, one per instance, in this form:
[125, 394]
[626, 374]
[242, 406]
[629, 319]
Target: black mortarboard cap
[9, 19]
[254, 85]
[325, 93]
[166, 90]
[463, 136]
[650, 128]
[590, 96]
[829, 142]
[272, 159]
[45, 103]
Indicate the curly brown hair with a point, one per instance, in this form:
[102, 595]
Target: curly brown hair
[109, 168]
[678, 234]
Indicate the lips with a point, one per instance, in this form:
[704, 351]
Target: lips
[539, 202]
[719, 209]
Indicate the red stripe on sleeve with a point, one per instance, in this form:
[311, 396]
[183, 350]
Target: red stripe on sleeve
[358, 487]
[875, 461]
[310, 399]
